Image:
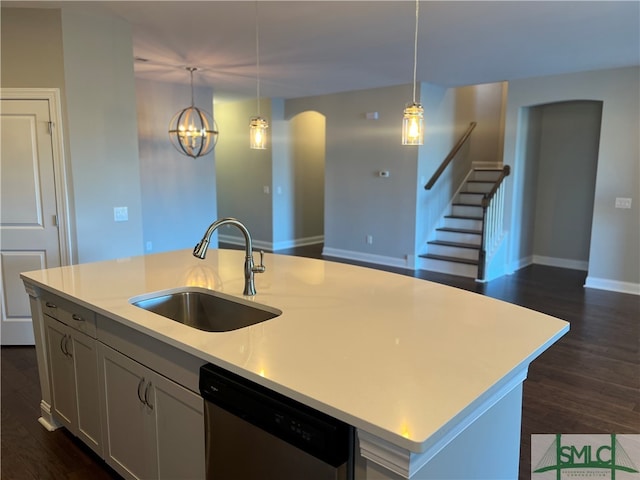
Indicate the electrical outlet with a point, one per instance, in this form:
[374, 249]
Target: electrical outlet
[369, 239]
[149, 246]
[266, 189]
[120, 214]
[623, 202]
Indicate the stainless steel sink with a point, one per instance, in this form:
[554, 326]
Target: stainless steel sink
[205, 309]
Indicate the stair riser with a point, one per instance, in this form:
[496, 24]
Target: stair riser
[490, 175]
[462, 223]
[457, 252]
[470, 198]
[451, 268]
[465, 211]
[479, 187]
[458, 237]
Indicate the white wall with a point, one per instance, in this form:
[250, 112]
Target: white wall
[614, 258]
[178, 192]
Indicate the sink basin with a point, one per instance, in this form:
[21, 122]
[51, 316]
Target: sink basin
[205, 309]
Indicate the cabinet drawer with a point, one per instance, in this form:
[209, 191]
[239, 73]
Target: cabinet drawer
[69, 313]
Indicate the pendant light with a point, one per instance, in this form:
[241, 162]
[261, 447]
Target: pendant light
[192, 130]
[413, 119]
[258, 125]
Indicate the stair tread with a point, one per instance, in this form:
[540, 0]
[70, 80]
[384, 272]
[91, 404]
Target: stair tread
[462, 217]
[446, 258]
[487, 169]
[446, 243]
[459, 204]
[481, 181]
[459, 230]
[473, 193]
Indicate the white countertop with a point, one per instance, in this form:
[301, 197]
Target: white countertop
[398, 357]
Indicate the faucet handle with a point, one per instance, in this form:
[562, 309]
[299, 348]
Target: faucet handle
[260, 268]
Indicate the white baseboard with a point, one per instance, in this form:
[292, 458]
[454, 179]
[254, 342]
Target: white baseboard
[612, 285]
[298, 242]
[560, 262]
[520, 263]
[367, 257]
[272, 247]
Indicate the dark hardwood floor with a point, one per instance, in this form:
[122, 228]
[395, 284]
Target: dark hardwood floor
[588, 382]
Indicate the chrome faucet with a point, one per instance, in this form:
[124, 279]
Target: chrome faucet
[200, 251]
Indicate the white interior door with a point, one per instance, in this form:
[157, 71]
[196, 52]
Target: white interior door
[29, 237]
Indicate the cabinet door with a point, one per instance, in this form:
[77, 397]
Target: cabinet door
[129, 422]
[85, 363]
[63, 389]
[180, 431]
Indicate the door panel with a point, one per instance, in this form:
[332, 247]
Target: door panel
[61, 365]
[127, 419]
[28, 231]
[180, 430]
[85, 356]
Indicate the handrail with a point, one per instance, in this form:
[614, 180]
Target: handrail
[449, 157]
[506, 171]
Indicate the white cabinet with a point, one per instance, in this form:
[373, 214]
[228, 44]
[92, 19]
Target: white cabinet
[73, 373]
[155, 427]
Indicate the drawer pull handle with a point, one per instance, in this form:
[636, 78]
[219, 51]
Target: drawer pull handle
[77, 317]
[51, 305]
[62, 345]
[66, 345]
[146, 396]
[139, 395]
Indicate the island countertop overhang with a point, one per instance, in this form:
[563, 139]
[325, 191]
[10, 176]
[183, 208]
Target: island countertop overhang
[398, 357]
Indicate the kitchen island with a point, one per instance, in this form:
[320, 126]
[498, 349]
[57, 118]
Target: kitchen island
[429, 375]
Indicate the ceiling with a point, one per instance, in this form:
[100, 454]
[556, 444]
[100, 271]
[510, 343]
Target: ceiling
[319, 47]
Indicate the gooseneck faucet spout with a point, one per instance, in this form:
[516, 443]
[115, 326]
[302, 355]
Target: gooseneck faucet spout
[200, 251]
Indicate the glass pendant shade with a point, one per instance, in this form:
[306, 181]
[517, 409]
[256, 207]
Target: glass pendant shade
[258, 133]
[413, 125]
[193, 132]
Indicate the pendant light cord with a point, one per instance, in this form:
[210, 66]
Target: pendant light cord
[257, 61]
[415, 51]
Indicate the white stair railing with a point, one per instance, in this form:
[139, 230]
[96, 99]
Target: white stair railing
[492, 220]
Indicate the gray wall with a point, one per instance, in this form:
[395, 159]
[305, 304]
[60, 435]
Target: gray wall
[448, 113]
[243, 173]
[307, 137]
[357, 201]
[567, 163]
[397, 212]
[614, 253]
[178, 192]
[103, 143]
[90, 60]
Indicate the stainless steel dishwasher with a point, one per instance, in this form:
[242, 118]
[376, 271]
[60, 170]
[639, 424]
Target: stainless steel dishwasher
[252, 432]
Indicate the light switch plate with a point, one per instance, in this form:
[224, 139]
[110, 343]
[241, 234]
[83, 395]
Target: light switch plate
[623, 202]
[120, 214]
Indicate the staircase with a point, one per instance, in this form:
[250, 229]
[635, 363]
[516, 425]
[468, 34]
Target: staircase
[456, 246]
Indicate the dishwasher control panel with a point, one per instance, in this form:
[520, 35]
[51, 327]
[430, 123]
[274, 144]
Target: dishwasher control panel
[315, 432]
